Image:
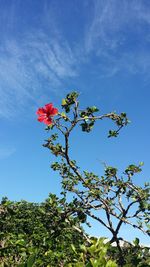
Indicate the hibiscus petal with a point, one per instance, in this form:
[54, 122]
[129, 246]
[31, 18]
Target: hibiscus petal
[48, 107]
[40, 111]
[41, 119]
[48, 121]
[54, 111]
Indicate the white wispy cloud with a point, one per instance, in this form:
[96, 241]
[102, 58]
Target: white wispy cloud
[27, 65]
[43, 60]
[6, 152]
[115, 35]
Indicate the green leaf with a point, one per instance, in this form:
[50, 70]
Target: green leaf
[73, 248]
[94, 109]
[63, 114]
[31, 260]
[63, 102]
[112, 134]
[111, 264]
[136, 242]
[88, 264]
[20, 242]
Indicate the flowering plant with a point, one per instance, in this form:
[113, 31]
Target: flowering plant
[46, 113]
[122, 202]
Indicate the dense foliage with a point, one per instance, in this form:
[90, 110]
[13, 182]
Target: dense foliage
[45, 230]
[43, 235]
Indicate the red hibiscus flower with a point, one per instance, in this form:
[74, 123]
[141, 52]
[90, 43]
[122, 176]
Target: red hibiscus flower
[46, 113]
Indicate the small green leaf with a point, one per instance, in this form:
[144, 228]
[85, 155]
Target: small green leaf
[112, 134]
[136, 241]
[73, 248]
[31, 260]
[63, 102]
[94, 109]
[20, 242]
[111, 264]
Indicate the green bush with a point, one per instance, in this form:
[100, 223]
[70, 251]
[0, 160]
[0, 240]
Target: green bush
[44, 231]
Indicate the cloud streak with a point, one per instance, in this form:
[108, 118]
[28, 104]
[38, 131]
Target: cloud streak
[28, 67]
[6, 152]
[116, 36]
[43, 60]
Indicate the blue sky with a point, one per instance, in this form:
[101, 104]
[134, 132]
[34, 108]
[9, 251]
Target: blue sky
[49, 48]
